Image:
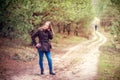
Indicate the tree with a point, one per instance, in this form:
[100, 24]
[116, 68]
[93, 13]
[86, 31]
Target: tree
[110, 15]
[18, 17]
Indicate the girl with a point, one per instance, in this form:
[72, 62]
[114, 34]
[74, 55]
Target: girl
[44, 34]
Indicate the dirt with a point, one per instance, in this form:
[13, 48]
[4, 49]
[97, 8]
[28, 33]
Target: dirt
[77, 63]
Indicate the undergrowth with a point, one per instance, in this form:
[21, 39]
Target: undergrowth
[109, 63]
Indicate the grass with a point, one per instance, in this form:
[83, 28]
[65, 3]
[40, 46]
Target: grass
[61, 42]
[20, 50]
[16, 50]
[64, 39]
[109, 63]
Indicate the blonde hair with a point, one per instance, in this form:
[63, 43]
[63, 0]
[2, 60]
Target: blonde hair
[47, 23]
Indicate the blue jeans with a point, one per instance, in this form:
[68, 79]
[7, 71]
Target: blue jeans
[49, 59]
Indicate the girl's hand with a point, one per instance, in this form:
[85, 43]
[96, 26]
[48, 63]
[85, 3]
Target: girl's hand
[38, 45]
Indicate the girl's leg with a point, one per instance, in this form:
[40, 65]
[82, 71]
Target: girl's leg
[41, 54]
[48, 55]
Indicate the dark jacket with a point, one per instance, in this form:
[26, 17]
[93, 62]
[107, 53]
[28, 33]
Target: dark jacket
[44, 36]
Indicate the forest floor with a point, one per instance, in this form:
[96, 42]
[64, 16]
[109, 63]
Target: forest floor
[78, 62]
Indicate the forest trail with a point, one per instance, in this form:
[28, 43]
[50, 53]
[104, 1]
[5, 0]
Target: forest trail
[78, 63]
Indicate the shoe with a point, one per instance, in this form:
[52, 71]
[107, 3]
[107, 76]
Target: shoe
[51, 73]
[42, 73]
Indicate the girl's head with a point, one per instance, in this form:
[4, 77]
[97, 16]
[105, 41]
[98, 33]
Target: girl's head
[46, 25]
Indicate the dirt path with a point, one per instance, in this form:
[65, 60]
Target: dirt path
[79, 63]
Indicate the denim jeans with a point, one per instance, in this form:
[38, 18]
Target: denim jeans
[49, 59]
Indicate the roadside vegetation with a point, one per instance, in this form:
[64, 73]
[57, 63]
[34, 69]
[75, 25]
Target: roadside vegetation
[109, 63]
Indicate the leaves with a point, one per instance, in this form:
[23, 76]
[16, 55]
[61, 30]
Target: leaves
[110, 13]
[24, 15]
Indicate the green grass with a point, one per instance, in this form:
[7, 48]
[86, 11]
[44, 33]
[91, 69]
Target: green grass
[64, 41]
[109, 63]
[75, 39]
[67, 39]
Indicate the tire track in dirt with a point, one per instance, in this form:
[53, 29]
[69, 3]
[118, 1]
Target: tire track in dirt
[79, 63]
[86, 57]
[88, 66]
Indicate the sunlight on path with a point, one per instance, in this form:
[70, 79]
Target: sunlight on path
[88, 67]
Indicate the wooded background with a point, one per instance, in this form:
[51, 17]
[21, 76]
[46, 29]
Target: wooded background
[19, 17]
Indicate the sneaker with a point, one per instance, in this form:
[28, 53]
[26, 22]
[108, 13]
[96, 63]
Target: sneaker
[51, 73]
[42, 73]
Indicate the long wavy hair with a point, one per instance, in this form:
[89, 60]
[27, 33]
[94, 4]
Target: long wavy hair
[43, 26]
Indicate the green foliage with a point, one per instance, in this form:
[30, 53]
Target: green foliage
[18, 17]
[116, 21]
[101, 6]
[109, 10]
[15, 17]
[109, 66]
